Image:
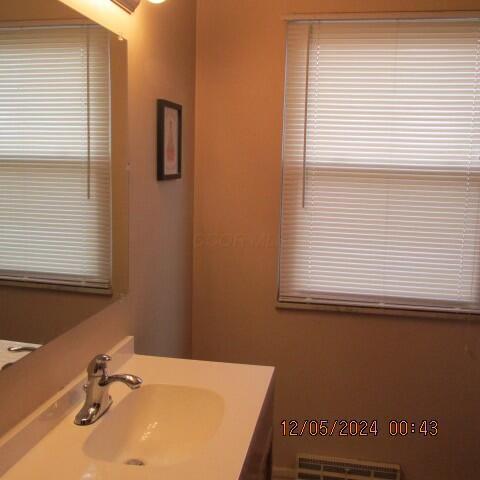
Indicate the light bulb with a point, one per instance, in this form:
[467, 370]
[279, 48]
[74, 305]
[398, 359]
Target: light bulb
[156, 1]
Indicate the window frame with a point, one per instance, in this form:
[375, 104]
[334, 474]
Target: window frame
[351, 306]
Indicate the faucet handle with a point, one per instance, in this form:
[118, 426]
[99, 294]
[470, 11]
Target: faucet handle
[98, 366]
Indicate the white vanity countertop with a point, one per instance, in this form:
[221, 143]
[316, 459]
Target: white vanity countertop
[9, 357]
[61, 453]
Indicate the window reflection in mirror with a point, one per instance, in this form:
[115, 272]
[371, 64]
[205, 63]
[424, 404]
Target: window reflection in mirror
[63, 177]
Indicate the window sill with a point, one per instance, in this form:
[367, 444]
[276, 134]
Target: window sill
[397, 312]
[57, 287]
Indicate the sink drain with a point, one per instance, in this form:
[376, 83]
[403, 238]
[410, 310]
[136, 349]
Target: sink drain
[135, 461]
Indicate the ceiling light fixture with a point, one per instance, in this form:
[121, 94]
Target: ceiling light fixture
[128, 5]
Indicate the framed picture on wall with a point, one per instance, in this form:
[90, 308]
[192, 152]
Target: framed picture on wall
[169, 140]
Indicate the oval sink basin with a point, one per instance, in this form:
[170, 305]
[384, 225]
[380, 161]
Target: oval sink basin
[157, 425]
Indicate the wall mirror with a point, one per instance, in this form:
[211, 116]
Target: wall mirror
[63, 175]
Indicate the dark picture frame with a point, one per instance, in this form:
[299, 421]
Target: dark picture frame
[169, 140]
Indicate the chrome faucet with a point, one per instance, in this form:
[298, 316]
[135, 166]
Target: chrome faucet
[98, 399]
[22, 348]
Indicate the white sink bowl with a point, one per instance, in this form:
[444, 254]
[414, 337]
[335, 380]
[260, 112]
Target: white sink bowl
[157, 425]
[190, 420]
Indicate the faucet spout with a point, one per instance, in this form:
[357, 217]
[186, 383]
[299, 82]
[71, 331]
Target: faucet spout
[131, 381]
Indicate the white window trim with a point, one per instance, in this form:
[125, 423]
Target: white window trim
[345, 306]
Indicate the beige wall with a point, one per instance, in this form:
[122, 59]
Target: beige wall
[161, 50]
[329, 365]
[161, 65]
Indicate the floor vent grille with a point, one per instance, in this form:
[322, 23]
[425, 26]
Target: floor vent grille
[313, 467]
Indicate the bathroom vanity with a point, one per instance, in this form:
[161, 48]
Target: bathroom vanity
[190, 419]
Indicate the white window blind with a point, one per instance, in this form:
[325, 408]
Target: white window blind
[381, 164]
[55, 202]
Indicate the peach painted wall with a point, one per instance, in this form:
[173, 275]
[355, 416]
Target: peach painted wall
[329, 365]
[161, 52]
